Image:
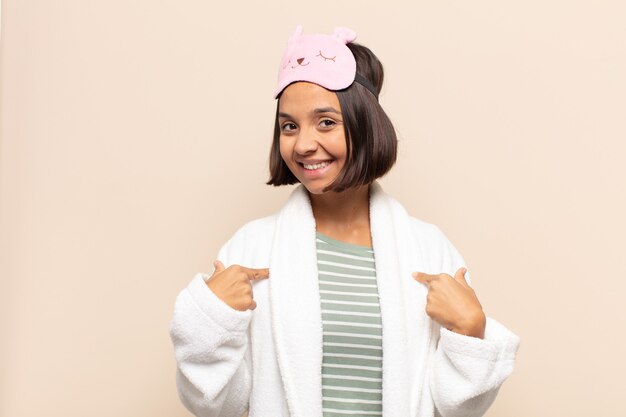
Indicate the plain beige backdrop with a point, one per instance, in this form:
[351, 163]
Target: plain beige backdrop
[134, 142]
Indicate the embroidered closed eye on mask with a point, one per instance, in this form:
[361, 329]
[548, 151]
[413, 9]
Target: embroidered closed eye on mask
[321, 59]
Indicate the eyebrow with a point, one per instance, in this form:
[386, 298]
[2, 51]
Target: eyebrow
[313, 112]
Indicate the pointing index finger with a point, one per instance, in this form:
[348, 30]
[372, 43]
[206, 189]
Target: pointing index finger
[257, 273]
[424, 278]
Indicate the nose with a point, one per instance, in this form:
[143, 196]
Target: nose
[300, 60]
[306, 142]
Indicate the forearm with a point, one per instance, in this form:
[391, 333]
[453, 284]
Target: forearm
[467, 372]
[210, 343]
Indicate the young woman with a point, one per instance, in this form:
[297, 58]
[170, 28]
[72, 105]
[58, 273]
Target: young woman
[341, 303]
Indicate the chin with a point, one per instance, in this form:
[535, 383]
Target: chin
[315, 185]
[315, 190]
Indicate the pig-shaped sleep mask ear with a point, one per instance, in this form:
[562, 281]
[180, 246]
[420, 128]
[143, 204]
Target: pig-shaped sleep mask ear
[321, 59]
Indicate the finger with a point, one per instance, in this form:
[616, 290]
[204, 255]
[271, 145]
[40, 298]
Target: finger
[460, 276]
[424, 278]
[219, 266]
[257, 273]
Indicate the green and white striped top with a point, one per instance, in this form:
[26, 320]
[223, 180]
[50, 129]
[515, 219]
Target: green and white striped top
[352, 329]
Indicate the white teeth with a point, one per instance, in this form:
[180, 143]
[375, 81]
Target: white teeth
[316, 166]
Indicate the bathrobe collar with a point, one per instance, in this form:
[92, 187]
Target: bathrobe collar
[296, 310]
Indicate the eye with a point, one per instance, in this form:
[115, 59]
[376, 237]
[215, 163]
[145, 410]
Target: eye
[326, 58]
[286, 127]
[327, 123]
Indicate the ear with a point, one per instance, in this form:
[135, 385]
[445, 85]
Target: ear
[296, 34]
[345, 35]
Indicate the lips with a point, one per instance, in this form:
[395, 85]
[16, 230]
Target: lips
[313, 170]
[315, 165]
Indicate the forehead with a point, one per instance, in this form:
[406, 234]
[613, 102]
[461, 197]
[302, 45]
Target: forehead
[303, 96]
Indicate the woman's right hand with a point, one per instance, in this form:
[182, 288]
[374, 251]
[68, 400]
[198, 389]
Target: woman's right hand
[232, 285]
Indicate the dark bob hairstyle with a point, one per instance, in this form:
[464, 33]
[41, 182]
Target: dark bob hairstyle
[371, 140]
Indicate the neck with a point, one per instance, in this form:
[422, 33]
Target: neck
[343, 210]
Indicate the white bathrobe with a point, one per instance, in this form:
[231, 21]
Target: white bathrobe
[269, 360]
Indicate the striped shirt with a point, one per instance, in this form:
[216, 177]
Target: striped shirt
[352, 329]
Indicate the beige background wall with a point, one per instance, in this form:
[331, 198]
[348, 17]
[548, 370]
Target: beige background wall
[134, 142]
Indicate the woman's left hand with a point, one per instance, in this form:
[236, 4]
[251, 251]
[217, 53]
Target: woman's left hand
[452, 303]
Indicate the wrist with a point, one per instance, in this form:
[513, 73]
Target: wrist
[473, 325]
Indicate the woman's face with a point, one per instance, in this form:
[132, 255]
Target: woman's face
[312, 140]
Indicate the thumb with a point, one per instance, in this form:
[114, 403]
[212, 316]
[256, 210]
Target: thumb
[460, 276]
[219, 266]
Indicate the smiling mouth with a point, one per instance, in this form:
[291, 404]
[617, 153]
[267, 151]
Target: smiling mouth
[316, 166]
[300, 65]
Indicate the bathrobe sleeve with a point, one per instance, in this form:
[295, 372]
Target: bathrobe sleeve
[210, 341]
[467, 372]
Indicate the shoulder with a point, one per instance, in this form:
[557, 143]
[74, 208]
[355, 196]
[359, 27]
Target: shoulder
[429, 237]
[437, 247]
[439, 254]
[250, 243]
[425, 230]
[256, 228]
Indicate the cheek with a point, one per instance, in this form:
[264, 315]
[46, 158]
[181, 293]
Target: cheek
[285, 150]
[339, 147]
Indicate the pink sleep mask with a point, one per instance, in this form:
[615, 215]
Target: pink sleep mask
[321, 59]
